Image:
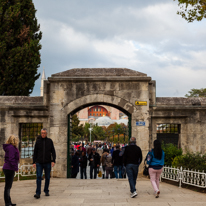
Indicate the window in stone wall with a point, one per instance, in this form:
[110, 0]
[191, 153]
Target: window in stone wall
[28, 133]
[168, 128]
[168, 133]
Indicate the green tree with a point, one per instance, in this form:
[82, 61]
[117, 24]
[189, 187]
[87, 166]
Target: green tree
[191, 10]
[197, 93]
[98, 133]
[77, 130]
[86, 130]
[19, 47]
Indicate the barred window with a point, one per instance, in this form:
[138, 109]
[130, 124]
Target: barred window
[28, 134]
[168, 128]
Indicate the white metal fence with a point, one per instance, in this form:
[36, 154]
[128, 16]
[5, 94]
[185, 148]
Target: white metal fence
[185, 176]
[24, 171]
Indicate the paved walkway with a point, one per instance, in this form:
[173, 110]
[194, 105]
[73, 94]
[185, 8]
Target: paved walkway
[111, 192]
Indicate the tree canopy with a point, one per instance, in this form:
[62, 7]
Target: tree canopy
[19, 47]
[192, 10]
[197, 93]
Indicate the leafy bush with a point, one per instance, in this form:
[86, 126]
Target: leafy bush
[171, 151]
[191, 160]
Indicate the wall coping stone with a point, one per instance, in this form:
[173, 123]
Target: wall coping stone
[76, 72]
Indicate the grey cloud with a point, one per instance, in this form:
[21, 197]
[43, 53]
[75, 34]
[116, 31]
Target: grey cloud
[164, 42]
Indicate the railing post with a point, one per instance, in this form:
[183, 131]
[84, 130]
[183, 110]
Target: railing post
[180, 177]
[18, 171]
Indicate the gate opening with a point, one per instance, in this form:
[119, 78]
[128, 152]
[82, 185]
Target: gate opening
[95, 112]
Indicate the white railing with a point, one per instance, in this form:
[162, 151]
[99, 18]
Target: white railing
[185, 176]
[24, 171]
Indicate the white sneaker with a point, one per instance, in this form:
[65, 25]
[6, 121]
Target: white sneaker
[134, 194]
[157, 193]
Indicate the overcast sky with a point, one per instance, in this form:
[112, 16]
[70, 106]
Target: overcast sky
[146, 36]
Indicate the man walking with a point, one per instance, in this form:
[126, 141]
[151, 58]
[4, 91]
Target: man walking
[94, 162]
[132, 160]
[117, 162]
[43, 150]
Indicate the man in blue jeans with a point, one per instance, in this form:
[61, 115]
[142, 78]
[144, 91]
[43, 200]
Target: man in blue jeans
[132, 160]
[117, 162]
[43, 150]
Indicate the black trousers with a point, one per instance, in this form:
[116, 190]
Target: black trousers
[9, 177]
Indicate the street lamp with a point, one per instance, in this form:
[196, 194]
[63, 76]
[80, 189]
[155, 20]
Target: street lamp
[90, 130]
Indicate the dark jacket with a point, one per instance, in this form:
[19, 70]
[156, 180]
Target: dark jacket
[83, 161]
[96, 160]
[43, 150]
[132, 155]
[116, 159]
[75, 164]
[11, 157]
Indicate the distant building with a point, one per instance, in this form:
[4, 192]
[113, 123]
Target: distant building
[98, 111]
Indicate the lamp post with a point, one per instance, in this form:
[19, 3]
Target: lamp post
[90, 130]
[124, 133]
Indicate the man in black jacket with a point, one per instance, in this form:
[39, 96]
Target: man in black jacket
[117, 162]
[94, 162]
[43, 150]
[132, 160]
[83, 165]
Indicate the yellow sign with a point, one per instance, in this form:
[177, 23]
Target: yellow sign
[141, 103]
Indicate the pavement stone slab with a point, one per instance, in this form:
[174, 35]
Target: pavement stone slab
[111, 192]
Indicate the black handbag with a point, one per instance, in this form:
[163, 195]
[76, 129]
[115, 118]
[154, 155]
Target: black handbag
[146, 171]
[113, 175]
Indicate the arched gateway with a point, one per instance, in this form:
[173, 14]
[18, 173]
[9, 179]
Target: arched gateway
[72, 90]
[177, 120]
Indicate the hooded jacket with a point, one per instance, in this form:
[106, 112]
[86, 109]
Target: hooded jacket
[43, 151]
[11, 157]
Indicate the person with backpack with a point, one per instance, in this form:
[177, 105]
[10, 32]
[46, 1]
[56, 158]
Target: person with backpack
[155, 160]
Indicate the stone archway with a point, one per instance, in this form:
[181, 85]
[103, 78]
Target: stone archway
[83, 102]
[74, 89]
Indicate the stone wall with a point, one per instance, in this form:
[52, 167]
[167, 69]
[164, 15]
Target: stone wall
[68, 92]
[190, 113]
[15, 110]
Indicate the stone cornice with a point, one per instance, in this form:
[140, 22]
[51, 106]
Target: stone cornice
[100, 79]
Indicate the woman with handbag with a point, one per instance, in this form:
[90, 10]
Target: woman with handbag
[155, 160]
[10, 166]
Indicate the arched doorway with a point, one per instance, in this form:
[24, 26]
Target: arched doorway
[69, 133]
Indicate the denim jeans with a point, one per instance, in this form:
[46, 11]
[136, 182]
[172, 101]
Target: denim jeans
[132, 172]
[39, 171]
[91, 172]
[118, 169]
[9, 177]
[83, 171]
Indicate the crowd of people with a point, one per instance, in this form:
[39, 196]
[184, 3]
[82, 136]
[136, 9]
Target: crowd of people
[103, 159]
[115, 161]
